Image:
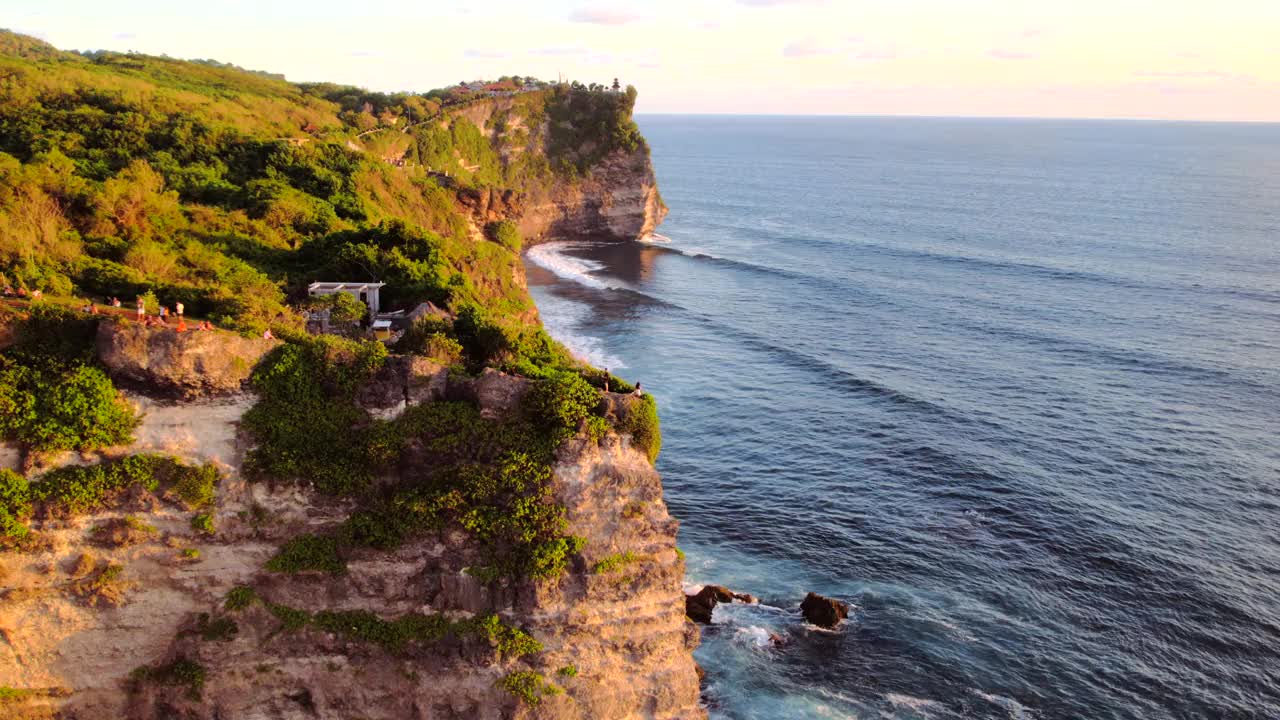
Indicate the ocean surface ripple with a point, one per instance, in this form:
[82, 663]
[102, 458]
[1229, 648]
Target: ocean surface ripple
[1011, 388]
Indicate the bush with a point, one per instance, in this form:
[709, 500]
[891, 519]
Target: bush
[62, 409]
[481, 338]
[15, 507]
[181, 672]
[306, 424]
[240, 597]
[528, 686]
[80, 489]
[194, 485]
[506, 234]
[641, 421]
[203, 524]
[562, 401]
[308, 552]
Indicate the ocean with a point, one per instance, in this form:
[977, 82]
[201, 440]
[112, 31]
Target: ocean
[1011, 388]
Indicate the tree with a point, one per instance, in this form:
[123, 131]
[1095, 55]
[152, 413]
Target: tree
[616, 85]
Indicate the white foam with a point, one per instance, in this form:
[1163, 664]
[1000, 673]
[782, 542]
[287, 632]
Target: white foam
[655, 239]
[551, 256]
[753, 635]
[563, 321]
[1016, 710]
[913, 703]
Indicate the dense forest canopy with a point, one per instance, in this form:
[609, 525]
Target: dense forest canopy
[228, 190]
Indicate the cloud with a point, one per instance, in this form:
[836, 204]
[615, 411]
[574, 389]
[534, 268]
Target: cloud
[603, 15]
[560, 50]
[1187, 74]
[808, 47]
[124, 36]
[999, 54]
[364, 53]
[483, 54]
[707, 25]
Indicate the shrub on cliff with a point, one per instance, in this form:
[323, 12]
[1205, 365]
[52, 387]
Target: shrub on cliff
[52, 395]
[562, 401]
[641, 421]
[72, 409]
[506, 234]
[306, 424]
[15, 507]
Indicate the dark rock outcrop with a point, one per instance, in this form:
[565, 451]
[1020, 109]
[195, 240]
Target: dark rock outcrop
[823, 611]
[404, 381]
[187, 364]
[698, 606]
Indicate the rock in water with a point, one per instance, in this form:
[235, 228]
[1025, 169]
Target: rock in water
[699, 605]
[822, 611]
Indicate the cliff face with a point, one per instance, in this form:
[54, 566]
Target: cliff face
[617, 200]
[616, 617]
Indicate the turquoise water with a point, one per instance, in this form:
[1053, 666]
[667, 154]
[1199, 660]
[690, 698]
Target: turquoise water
[1011, 388]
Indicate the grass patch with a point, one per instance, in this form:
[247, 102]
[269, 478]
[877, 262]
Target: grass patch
[308, 552]
[397, 635]
[617, 561]
[179, 673]
[240, 597]
[528, 686]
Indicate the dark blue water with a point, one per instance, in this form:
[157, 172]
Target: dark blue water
[1011, 388]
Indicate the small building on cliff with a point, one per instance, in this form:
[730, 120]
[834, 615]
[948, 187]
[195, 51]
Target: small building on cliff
[366, 293]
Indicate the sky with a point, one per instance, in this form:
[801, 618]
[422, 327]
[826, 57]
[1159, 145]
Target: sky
[1157, 59]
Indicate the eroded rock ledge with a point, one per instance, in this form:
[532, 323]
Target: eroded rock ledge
[617, 617]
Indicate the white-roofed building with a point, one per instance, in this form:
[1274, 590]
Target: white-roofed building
[366, 293]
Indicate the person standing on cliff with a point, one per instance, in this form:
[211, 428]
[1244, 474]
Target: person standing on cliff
[142, 309]
[178, 307]
[638, 392]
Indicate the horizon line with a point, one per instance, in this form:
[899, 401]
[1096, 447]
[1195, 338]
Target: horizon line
[922, 116]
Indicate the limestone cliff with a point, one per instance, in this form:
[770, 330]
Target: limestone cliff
[616, 618]
[617, 198]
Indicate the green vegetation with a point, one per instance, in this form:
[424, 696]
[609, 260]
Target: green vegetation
[219, 629]
[9, 694]
[641, 421]
[568, 671]
[203, 524]
[397, 635]
[83, 489]
[181, 672]
[15, 508]
[506, 234]
[306, 422]
[588, 124]
[240, 597]
[562, 401]
[290, 619]
[617, 561]
[52, 396]
[529, 686]
[226, 189]
[308, 552]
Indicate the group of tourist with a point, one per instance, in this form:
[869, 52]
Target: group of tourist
[161, 318]
[21, 292]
